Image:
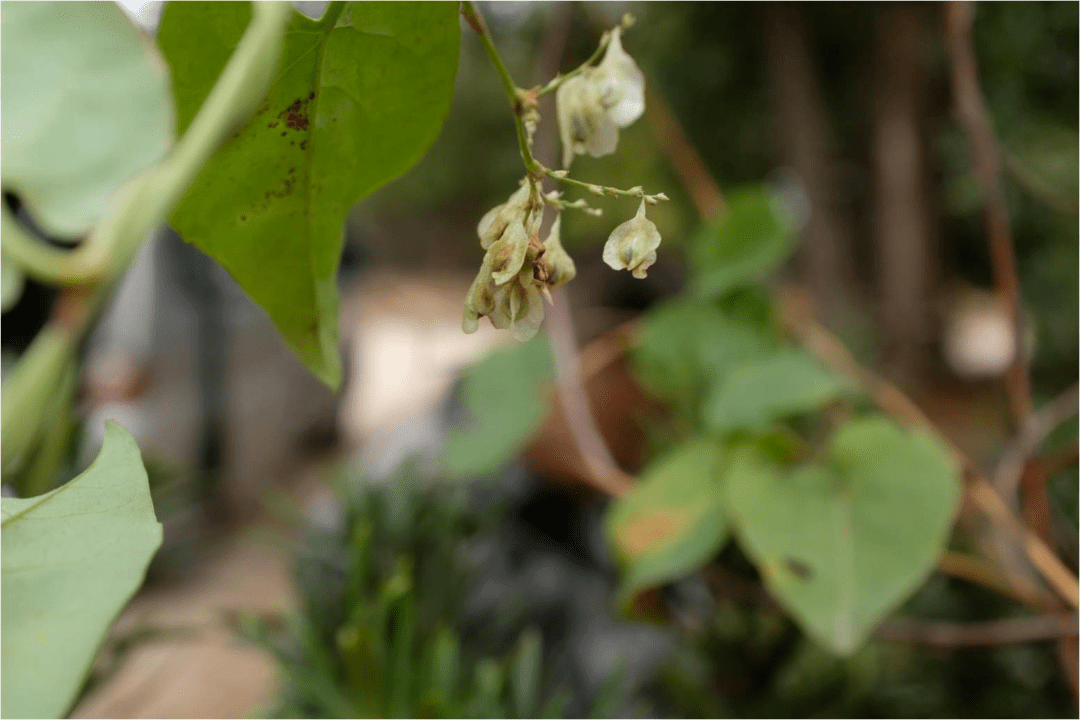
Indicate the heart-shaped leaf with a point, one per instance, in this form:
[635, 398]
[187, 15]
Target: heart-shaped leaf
[86, 106]
[751, 237]
[71, 560]
[842, 544]
[359, 97]
[786, 383]
[505, 403]
[673, 520]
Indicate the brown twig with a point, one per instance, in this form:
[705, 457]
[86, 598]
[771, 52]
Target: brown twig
[1010, 631]
[570, 389]
[704, 193]
[973, 115]
[975, 570]
[1025, 445]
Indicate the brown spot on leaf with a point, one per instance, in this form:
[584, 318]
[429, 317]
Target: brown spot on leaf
[295, 115]
[243, 218]
[653, 528]
[303, 144]
[799, 568]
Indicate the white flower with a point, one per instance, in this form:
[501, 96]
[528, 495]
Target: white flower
[560, 267]
[632, 245]
[519, 307]
[593, 106]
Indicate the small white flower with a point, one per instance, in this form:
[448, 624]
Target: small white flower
[562, 269]
[498, 218]
[632, 245]
[592, 106]
[519, 307]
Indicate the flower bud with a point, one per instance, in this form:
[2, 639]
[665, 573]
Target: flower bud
[498, 218]
[562, 269]
[632, 245]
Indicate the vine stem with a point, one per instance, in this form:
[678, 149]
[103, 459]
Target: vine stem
[520, 99]
[48, 264]
[986, 160]
[140, 206]
[476, 21]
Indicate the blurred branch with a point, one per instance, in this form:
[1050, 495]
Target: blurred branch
[704, 193]
[1025, 445]
[1036, 187]
[806, 138]
[570, 389]
[1009, 631]
[975, 570]
[975, 118]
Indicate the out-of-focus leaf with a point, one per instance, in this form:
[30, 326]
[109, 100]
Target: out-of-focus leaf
[72, 558]
[525, 675]
[686, 346]
[360, 96]
[504, 397]
[12, 282]
[672, 521]
[739, 248]
[787, 383]
[842, 544]
[86, 106]
[443, 669]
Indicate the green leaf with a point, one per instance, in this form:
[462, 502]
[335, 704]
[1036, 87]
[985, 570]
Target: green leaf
[784, 384]
[442, 685]
[841, 545]
[525, 675]
[504, 395]
[360, 97]
[685, 346]
[750, 238]
[86, 106]
[12, 282]
[672, 521]
[72, 558]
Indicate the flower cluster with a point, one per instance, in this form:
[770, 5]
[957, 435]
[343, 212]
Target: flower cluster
[592, 103]
[518, 269]
[595, 104]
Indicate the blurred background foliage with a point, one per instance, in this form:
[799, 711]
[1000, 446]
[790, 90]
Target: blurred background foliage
[483, 584]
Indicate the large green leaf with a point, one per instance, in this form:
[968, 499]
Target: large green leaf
[751, 237]
[842, 544]
[783, 384]
[672, 521]
[687, 346]
[505, 401]
[360, 96]
[86, 105]
[71, 560]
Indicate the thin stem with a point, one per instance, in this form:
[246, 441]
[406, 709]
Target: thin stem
[48, 264]
[603, 471]
[558, 80]
[986, 160]
[1008, 631]
[476, 21]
